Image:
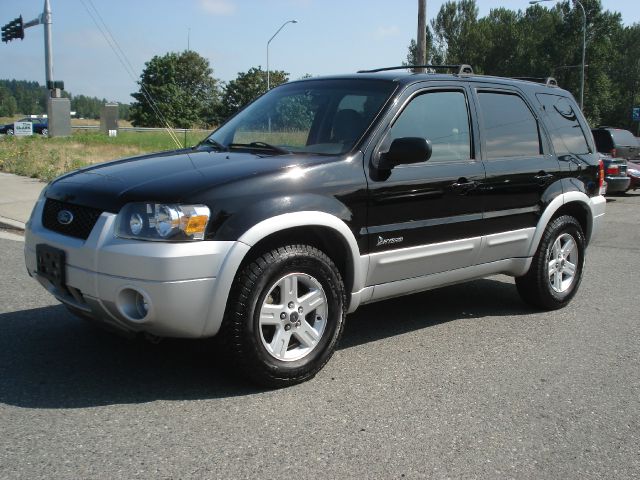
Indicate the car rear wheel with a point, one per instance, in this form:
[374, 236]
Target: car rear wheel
[285, 315]
[556, 269]
[45, 132]
[10, 131]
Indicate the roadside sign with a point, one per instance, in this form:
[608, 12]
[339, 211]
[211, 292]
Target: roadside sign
[22, 129]
[636, 114]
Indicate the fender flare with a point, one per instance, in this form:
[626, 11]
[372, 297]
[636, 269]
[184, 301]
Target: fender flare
[357, 263]
[551, 210]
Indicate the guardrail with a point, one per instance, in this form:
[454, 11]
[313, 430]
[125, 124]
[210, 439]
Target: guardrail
[141, 129]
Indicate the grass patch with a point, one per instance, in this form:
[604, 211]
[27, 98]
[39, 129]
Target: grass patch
[46, 158]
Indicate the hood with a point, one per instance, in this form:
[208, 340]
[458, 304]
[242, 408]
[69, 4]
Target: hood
[170, 177]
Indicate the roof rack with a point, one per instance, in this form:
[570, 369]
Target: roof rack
[463, 69]
[548, 81]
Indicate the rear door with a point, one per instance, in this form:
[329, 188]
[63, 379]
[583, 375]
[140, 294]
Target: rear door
[520, 168]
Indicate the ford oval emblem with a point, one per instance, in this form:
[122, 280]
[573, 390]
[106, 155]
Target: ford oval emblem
[65, 217]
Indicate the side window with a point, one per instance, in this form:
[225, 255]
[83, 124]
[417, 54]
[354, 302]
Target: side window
[509, 127]
[566, 133]
[440, 117]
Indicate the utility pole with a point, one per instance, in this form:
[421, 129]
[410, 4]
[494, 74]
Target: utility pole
[48, 62]
[422, 35]
[58, 108]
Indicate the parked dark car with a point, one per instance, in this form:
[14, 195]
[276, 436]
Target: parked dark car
[617, 142]
[40, 126]
[633, 172]
[615, 171]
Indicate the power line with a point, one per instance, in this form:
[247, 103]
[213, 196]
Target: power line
[126, 64]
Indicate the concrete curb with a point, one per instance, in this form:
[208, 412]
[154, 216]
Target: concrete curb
[10, 224]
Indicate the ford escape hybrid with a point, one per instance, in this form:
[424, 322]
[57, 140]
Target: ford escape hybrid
[322, 195]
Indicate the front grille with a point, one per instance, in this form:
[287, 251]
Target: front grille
[84, 218]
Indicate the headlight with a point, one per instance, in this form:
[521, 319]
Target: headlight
[162, 221]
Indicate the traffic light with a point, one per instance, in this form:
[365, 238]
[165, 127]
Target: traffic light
[13, 30]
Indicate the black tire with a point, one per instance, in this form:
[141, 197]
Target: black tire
[44, 132]
[242, 334]
[535, 287]
[10, 132]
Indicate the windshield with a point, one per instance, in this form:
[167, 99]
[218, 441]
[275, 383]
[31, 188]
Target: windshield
[314, 116]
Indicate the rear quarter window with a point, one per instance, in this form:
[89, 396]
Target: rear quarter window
[567, 134]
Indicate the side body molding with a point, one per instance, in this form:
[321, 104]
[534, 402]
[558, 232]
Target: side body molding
[357, 264]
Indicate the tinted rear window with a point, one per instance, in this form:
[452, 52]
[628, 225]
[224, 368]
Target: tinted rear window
[567, 135]
[604, 144]
[623, 137]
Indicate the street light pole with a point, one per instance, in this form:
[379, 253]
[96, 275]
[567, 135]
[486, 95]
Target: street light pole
[584, 43]
[46, 20]
[269, 42]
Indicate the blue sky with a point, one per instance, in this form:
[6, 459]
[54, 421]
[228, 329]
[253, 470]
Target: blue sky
[332, 36]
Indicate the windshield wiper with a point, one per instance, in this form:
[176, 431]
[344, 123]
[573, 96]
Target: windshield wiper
[215, 144]
[261, 146]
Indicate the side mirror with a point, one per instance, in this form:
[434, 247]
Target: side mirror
[406, 150]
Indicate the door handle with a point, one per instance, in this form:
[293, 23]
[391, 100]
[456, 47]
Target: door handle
[543, 177]
[463, 186]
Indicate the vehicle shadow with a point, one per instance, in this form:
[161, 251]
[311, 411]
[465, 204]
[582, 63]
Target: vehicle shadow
[477, 299]
[51, 359]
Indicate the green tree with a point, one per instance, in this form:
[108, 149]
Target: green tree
[245, 88]
[626, 78]
[456, 36]
[541, 42]
[87, 107]
[176, 87]
[8, 105]
[433, 56]
[124, 111]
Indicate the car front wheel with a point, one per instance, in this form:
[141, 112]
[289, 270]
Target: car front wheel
[10, 132]
[556, 269]
[45, 132]
[285, 315]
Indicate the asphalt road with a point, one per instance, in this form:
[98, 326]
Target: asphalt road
[461, 382]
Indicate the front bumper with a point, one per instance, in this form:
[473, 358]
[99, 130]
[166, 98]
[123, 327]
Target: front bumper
[179, 282]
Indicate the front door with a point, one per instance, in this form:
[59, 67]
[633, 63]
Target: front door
[426, 218]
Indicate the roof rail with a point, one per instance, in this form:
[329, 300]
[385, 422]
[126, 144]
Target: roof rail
[548, 81]
[462, 69]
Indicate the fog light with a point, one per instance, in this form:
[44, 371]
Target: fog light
[133, 304]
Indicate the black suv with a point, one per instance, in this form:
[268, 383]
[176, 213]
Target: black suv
[322, 195]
